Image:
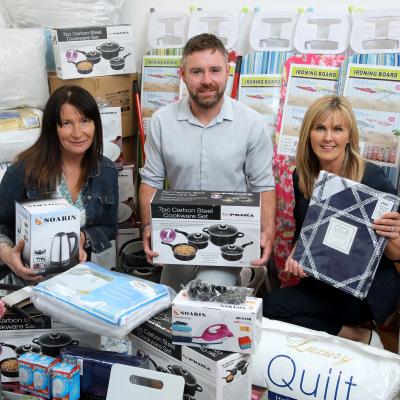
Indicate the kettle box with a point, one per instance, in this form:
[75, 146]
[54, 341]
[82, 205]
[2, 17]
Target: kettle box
[216, 325]
[93, 51]
[51, 231]
[205, 228]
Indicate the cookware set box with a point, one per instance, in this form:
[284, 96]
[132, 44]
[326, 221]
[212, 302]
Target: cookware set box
[205, 228]
[93, 51]
[215, 325]
[50, 230]
[208, 373]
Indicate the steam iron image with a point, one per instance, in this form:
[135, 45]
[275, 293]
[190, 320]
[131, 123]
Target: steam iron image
[214, 334]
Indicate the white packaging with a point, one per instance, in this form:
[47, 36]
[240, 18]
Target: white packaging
[50, 230]
[209, 374]
[302, 364]
[205, 228]
[214, 325]
[111, 122]
[62, 13]
[99, 300]
[23, 77]
[93, 51]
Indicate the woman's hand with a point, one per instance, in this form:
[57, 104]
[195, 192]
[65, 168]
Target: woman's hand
[293, 267]
[388, 225]
[82, 252]
[11, 256]
[147, 244]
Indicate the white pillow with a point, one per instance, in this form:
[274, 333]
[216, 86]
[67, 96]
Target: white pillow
[62, 13]
[23, 77]
[302, 364]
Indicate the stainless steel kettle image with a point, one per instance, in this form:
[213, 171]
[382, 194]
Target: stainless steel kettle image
[62, 252]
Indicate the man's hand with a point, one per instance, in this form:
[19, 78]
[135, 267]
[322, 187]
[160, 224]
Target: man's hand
[82, 252]
[147, 244]
[11, 256]
[266, 243]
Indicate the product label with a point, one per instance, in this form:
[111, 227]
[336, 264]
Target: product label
[340, 235]
[73, 34]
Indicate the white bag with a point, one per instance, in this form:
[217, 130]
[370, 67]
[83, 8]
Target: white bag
[63, 13]
[14, 142]
[302, 364]
[3, 22]
[23, 77]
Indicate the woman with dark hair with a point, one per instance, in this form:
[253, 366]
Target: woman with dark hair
[66, 161]
[329, 141]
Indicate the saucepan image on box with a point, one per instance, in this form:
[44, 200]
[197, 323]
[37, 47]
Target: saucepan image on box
[205, 228]
[93, 51]
[50, 230]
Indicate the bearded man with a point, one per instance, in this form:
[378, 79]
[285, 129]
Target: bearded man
[207, 141]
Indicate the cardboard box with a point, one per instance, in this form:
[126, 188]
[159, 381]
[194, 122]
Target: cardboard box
[65, 381]
[214, 325]
[116, 91]
[205, 228]
[209, 374]
[93, 51]
[35, 370]
[50, 230]
[17, 331]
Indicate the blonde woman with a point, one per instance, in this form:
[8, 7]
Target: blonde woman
[329, 141]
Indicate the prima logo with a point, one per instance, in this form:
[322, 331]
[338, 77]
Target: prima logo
[233, 214]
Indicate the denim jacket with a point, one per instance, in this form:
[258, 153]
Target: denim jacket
[99, 196]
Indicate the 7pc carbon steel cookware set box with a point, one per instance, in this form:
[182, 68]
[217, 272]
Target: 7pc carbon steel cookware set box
[205, 228]
[217, 325]
[50, 230]
[93, 51]
[208, 373]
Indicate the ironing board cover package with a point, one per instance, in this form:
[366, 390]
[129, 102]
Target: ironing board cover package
[99, 300]
[205, 228]
[209, 374]
[337, 244]
[50, 230]
[215, 325]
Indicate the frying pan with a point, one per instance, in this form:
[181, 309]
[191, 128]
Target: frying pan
[180, 256]
[93, 56]
[22, 349]
[232, 252]
[8, 373]
[118, 62]
[198, 239]
[84, 66]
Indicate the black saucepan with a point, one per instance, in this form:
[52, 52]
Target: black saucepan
[52, 343]
[22, 349]
[191, 385]
[109, 50]
[221, 234]
[84, 66]
[233, 252]
[199, 239]
[9, 367]
[118, 62]
[93, 56]
[183, 251]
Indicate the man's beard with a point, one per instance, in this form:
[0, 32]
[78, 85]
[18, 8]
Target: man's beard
[207, 102]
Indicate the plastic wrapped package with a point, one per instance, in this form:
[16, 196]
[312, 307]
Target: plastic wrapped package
[337, 230]
[3, 22]
[302, 364]
[23, 77]
[101, 301]
[15, 142]
[62, 13]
